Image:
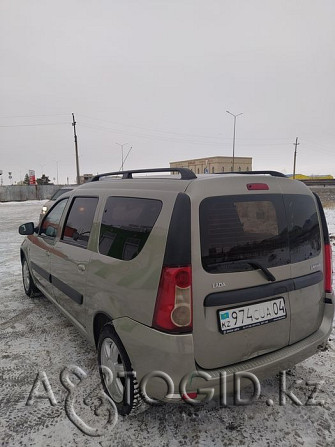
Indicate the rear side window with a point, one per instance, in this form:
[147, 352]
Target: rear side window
[234, 229]
[77, 228]
[126, 225]
[304, 231]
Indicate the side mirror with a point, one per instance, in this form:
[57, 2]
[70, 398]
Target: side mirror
[27, 228]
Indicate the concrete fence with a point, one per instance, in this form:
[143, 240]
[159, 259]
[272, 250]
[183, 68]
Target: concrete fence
[15, 193]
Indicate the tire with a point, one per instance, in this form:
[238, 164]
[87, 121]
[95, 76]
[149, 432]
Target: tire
[28, 283]
[124, 392]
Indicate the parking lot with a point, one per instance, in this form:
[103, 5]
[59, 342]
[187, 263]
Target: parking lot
[38, 344]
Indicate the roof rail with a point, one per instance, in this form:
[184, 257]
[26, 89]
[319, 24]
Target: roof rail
[272, 173]
[185, 173]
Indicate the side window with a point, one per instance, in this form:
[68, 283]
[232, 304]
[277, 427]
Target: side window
[304, 231]
[126, 225]
[50, 223]
[77, 227]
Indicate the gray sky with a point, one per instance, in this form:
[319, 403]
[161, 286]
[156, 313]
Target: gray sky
[159, 76]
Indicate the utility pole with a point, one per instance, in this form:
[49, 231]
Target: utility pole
[235, 116]
[76, 148]
[296, 144]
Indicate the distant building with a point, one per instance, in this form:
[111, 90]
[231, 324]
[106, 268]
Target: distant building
[85, 178]
[211, 165]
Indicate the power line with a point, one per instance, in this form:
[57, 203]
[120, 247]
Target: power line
[32, 125]
[179, 133]
[182, 139]
[146, 136]
[150, 129]
[171, 136]
[316, 145]
[32, 116]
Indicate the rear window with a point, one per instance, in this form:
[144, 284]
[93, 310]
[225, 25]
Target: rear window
[126, 225]
[270, 229]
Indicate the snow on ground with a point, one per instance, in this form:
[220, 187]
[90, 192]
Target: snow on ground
[35, 338]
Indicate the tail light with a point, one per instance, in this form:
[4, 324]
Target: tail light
[328, 269]
[173, 311]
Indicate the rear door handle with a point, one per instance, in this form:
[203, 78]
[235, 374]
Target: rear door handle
[81, 267]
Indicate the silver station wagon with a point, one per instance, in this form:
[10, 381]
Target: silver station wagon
[182, 280]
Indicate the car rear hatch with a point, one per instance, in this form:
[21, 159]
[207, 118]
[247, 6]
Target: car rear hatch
[257, 272]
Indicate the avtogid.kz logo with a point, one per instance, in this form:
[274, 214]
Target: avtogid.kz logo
[105, 415]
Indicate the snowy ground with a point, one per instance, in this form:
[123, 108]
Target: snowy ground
[36, 338]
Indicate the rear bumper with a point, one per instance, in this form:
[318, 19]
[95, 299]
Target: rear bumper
[268, 364]
[151, 352]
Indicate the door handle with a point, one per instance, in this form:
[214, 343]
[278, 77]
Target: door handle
[81, 267]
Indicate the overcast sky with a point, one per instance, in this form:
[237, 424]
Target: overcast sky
[158, 76]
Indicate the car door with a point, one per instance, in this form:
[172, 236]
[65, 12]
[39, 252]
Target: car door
[241, 278]
[70, 258]
[43, 244]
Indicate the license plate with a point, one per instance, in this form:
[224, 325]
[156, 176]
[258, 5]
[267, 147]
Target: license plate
[245, 317]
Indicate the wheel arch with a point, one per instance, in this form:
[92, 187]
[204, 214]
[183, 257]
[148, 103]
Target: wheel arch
[100, 319]
[22, 255]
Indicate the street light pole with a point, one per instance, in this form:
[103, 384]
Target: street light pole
[122, 159]
[235, 116]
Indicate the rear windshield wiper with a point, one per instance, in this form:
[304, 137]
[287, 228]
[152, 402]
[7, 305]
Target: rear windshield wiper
[256, 265]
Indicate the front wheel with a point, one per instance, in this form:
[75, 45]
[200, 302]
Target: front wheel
[121, 385]
[28, 283]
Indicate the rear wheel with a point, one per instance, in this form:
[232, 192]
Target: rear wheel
[28, 283]
[121, 385]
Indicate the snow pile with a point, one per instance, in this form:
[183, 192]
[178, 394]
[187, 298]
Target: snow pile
[36, 338]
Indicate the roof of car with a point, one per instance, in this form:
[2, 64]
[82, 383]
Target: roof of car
[187, 180]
